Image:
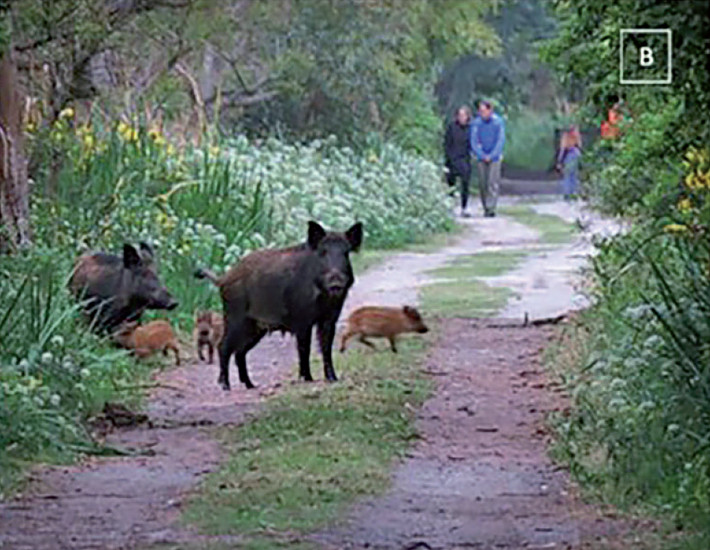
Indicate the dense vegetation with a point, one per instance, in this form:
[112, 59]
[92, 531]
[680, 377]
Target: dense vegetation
[638, 366]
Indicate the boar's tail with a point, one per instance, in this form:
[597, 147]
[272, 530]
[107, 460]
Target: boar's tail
[206, 274]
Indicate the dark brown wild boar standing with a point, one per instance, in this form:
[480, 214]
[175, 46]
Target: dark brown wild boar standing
[115, 289]
[290, 289]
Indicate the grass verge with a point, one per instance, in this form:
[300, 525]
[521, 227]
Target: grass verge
[315, 447]
[465, 298]
[484, 264]
[465, 295]
[552, 229]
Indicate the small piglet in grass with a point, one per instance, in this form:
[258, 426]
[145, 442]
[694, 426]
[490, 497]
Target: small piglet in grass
[208, 332]
[382, 322]
[147, 339]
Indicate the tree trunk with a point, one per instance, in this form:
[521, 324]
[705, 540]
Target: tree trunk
[14, 188]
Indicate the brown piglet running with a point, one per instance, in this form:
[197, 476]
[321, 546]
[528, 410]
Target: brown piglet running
[147, 339]
[382, 322]
[209, 328]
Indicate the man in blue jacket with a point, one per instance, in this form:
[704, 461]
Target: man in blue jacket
[487, 140]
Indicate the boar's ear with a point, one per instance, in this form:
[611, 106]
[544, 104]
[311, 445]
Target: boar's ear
[315, 234]
[146, 250]
[411, 312]
[354, 236]
[131, 258]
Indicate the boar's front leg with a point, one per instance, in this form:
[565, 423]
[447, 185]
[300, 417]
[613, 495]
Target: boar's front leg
[326, 335]
[303, 340]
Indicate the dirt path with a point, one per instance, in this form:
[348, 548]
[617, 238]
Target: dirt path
[480, 476]
[131, 501]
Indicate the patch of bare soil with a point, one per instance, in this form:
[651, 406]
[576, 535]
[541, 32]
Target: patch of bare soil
[480, 477]
[126, 502]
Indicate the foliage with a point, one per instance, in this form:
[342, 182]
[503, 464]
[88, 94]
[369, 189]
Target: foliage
[515, 77]
[305, 68]
[637, 367]
[52, 372]
[529, 139]
[640, 378]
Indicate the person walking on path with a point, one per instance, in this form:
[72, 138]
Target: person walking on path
[457, 151]
[568, 161]
[487, 140]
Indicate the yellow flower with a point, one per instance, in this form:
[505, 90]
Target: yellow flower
[372, 158]
[170, 150]
[214, 151]
[67, 112]
[165, 221]
[127, 132]
[88, 141]
[675, 228]
[156, 135]
[685, 205]
[30, 127]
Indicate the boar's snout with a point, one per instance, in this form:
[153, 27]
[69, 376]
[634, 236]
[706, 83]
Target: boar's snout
[423, 329]
[335, 282]
[163, 300]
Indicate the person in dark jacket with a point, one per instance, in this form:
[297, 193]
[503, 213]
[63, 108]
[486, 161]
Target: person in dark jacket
[457, 147]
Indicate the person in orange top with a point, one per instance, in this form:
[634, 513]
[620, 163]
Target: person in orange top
[610, 127]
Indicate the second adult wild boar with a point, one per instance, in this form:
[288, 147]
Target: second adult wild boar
[116, 289]
[289, 289]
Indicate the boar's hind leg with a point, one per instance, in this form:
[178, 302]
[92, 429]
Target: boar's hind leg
[226, 348]
[303, 340]
[326, 334]
[248, 335]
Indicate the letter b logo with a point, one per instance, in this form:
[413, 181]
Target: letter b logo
[645, 56]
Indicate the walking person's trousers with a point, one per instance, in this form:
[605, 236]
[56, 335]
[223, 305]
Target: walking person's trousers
[461, 169]
[489, 183]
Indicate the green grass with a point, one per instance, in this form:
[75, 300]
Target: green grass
[483, 264]
[316, 447]
[274, 542]
[472, 298]
[436, 241]
[552, 229]
[366, 259]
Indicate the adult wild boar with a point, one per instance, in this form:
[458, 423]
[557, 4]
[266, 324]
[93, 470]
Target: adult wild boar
[116, 289]
[289, 289]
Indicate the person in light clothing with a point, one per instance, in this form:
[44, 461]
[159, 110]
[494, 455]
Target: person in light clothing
[487, 141]
[568, 161]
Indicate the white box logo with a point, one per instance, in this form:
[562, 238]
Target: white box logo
[645, 56]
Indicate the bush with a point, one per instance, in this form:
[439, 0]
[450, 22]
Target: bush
[530, 140]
